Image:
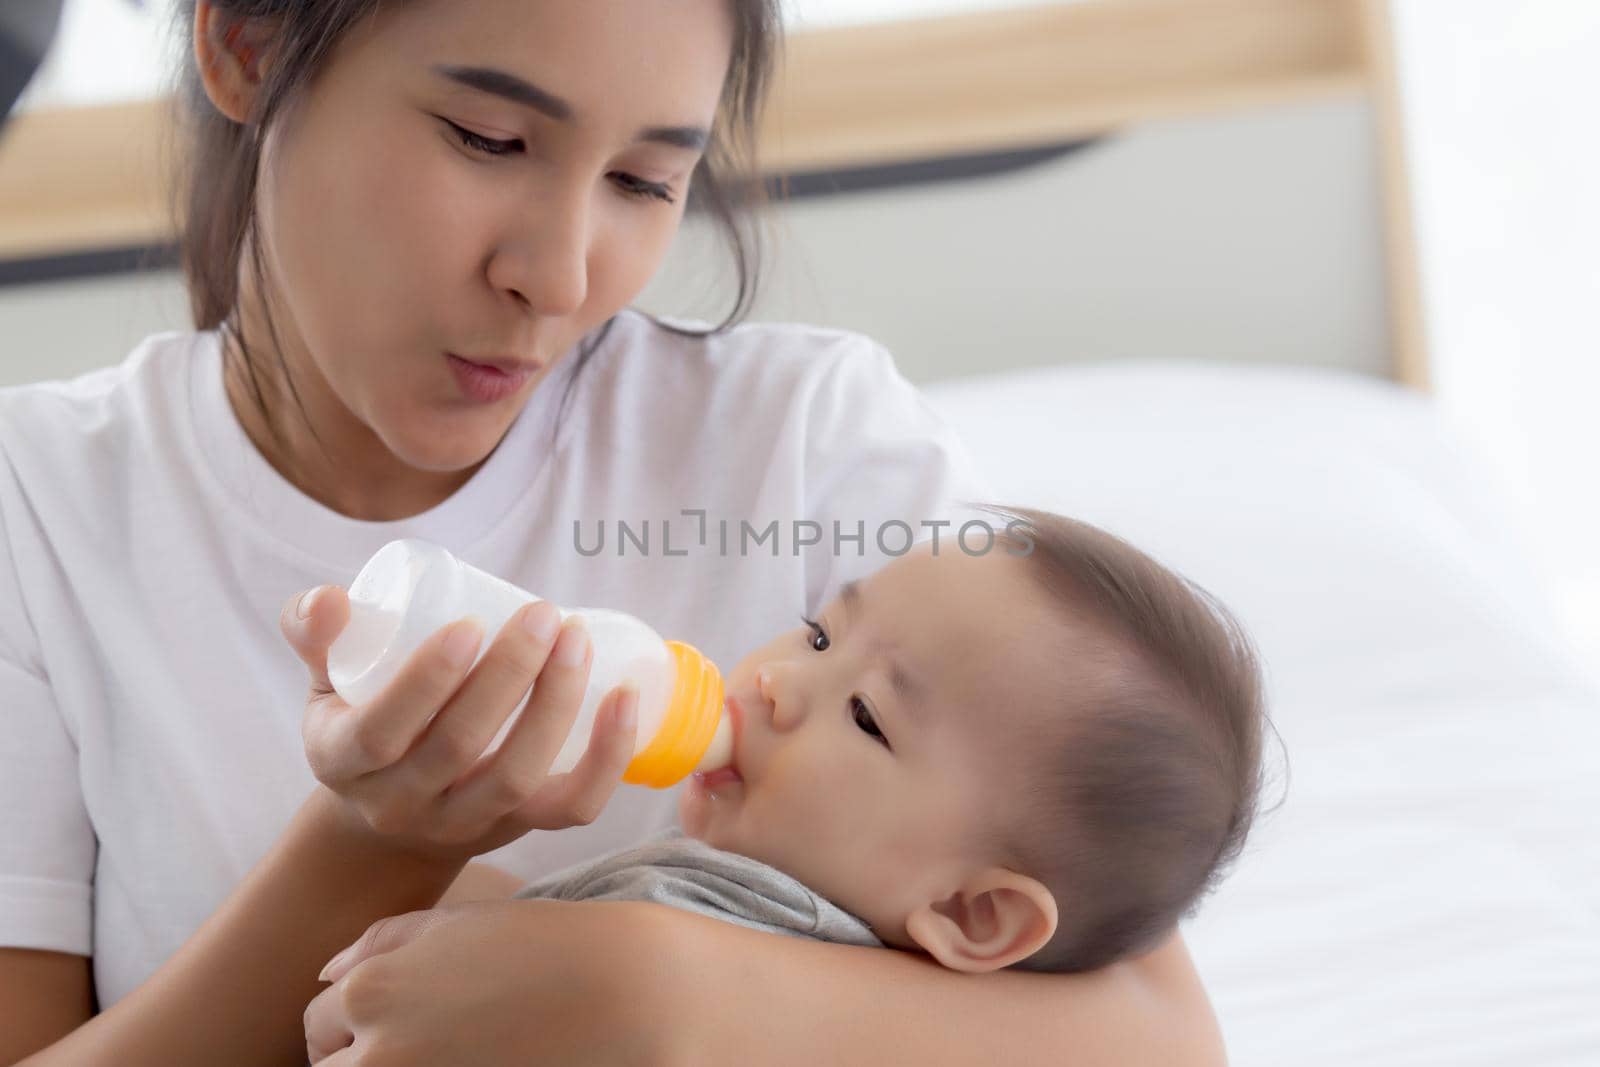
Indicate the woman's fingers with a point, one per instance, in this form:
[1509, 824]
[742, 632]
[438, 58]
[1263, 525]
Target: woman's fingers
[328, 1028]
[310, 622]
[578, 797]
[461, 731]
[385, 935]
[329, 1017]
[518, 769]
[353, 999]
[348, 742]
[411, 760]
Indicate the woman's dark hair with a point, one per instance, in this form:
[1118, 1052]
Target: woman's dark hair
[220, 159]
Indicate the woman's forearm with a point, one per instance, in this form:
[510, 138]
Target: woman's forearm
[480, 881]
[236, 991]
[792, 1001]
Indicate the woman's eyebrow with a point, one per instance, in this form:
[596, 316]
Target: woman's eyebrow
[509, 86]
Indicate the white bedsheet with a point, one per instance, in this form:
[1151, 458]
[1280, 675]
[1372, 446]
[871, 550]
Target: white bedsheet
[1429, 892]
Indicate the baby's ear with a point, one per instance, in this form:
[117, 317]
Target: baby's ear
[996, 918]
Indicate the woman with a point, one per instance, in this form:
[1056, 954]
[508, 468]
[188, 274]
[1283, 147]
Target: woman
[411, 233]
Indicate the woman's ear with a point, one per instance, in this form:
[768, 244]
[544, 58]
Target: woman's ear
[996, 918]
[231, 53]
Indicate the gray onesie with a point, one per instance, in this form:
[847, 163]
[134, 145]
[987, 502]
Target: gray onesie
[673, 868]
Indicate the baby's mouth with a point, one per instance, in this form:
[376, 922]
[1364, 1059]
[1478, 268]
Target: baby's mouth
[718, 777]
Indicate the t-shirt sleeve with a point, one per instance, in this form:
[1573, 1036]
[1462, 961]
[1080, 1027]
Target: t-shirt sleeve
[47, 843]
[883, 471]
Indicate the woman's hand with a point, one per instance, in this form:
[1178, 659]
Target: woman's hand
[409, 765]
[501, 982]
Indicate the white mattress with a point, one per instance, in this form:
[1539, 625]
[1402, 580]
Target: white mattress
[1429, 891]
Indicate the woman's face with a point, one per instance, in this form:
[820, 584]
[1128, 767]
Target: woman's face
[482, 179]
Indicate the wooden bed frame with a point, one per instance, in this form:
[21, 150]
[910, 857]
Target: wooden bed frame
[85, 179]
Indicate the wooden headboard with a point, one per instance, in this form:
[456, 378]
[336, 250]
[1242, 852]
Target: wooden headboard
[75, 181]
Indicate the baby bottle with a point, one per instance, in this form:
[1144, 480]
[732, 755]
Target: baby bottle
[410, 589]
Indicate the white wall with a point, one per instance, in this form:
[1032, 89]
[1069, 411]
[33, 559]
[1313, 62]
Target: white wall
[1499, 105]
[62, 329]
[104, 51]
[1246, 238]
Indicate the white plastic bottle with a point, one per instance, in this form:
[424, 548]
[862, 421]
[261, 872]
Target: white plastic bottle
[410, 589]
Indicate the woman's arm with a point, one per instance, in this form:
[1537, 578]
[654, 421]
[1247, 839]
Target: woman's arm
[236, 991]
[633, 983]
[481, 881]
[43, 995]
[782, 1000]
[405, 802]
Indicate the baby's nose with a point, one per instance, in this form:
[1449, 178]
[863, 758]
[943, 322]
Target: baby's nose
[774, 699]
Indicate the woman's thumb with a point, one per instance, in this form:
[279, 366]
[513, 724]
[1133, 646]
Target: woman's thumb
[310, 622]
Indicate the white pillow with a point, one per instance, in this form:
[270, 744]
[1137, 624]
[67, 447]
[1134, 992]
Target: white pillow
[1428, 892]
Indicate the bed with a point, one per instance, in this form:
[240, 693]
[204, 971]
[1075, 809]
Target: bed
[1428, 889]
[1425, 886]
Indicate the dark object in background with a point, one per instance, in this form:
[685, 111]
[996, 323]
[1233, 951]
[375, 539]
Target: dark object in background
[26, 29]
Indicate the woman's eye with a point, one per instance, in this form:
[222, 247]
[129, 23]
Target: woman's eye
[863, 717]
[479, 143]
[631, 186]
[818, 640]
[643, 190]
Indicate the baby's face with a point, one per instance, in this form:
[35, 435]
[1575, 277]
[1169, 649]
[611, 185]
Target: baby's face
[866, 742]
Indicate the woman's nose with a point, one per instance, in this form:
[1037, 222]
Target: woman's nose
[545, 266]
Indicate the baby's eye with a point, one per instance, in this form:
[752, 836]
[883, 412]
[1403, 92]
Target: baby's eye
[819, 639]
[863, 718]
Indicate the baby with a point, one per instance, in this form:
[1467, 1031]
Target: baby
[1040, 761]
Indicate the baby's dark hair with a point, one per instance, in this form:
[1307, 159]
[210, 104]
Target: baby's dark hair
[1140, 790]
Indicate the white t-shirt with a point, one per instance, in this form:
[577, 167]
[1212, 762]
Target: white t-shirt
[150, 747]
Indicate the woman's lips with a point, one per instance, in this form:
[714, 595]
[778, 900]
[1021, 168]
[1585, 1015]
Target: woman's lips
[487, 383]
